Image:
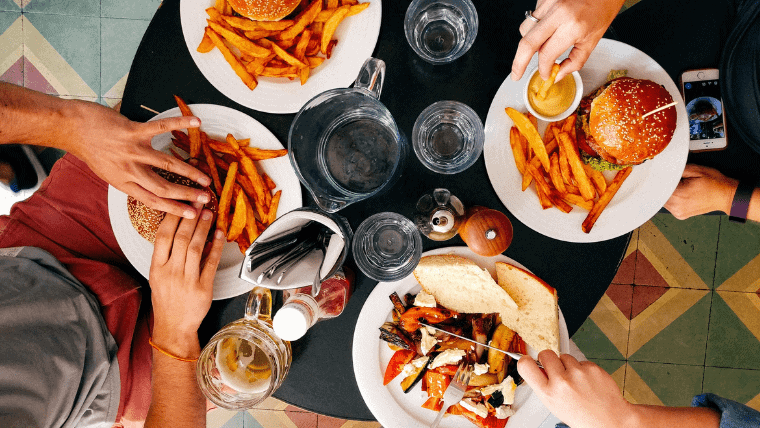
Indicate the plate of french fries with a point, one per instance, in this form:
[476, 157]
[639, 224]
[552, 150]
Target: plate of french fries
[278, 66]
[252, 179]
[536, 170]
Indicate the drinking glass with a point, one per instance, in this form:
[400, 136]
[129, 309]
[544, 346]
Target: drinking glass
[245, 362]
[441, 31]
[448, 137]
[387, 246]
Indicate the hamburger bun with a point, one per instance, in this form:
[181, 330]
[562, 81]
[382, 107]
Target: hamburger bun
[146, 220]
[264, 10]
[618, 134]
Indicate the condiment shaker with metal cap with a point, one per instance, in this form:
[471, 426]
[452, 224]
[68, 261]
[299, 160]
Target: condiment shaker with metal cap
[439, 214]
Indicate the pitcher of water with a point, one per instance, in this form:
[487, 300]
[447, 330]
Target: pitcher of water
[344, 144]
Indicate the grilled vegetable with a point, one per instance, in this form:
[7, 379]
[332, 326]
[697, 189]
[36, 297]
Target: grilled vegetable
[396, 364]
[396, 337]
[412, 379]
[398, 306]
[502, 338]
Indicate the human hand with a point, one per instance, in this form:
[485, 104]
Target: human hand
[701, 190]
[119, 151]
[581, 394]
[181, 291]
[563, 24]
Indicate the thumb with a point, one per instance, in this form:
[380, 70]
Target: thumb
[531, 373]
[169, 124]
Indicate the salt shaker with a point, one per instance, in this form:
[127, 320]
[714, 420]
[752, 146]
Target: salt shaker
[439, 214]
[301, 311]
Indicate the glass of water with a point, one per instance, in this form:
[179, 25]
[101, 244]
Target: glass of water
[387, 246]
[441, 31]
[448, 137]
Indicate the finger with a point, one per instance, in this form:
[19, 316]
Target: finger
[528, 46]
[155, 127]
[551, 362]
[212, 261]
[569, 361]
[151, 200]
[164, 237]
[530, 372]
[169, 163]
[195, 250]
[526, 26]
[182, 240]
[575, 61]
[162, 188]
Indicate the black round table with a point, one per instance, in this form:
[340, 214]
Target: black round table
[321, 378]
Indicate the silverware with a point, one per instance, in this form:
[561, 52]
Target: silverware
[514, 355]
[294, 255]
[455, 391]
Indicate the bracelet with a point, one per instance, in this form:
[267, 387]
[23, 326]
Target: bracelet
[168, 354]
[740, 204]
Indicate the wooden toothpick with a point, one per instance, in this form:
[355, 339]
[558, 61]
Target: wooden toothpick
[659, 109]
[149, 109]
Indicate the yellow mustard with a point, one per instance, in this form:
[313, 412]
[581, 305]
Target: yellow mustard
[558, 98]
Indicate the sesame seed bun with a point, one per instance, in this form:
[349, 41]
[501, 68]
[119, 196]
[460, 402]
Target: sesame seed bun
[264, 10]
[618, 134]
[146, 220]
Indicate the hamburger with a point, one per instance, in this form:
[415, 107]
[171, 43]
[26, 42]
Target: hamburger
[610, 131]
[264, 10]
[146, 220]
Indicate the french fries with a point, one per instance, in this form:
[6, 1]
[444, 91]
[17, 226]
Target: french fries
[288, 48]
[565, 181]
[193, 133]
[546, 84]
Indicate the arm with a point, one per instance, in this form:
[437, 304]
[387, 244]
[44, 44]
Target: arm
[583, 395]
[181, 294]
[703, 190]
[115, 148]
[563, 24]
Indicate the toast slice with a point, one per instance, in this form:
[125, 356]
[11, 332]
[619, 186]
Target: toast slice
[457, 283]
[538, 322]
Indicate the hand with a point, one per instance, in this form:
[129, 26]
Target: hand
[701, 190]
[563, 24]
[581, 394]
[181, 292]
[119, 151]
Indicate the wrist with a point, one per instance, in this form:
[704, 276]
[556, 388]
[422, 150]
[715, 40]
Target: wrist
[183, 345]
[729, 190]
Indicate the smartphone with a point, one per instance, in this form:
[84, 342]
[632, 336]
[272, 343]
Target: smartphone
[704, 107]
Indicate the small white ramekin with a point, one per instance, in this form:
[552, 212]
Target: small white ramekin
[570, 110]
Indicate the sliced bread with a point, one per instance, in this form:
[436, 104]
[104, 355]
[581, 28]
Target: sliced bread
[538, 322]
[457, 283]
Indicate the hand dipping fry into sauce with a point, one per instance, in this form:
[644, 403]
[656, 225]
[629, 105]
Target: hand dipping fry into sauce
[552, 101]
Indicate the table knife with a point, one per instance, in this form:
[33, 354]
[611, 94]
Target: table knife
[514, 355]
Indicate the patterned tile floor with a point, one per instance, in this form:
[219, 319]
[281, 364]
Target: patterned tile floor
[681, 317]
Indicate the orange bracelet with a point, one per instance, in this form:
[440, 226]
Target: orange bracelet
[168, 354]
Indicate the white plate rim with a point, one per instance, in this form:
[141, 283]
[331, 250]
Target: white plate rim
[357, 36]
[214, 119]
[640, 197]
[369, 363]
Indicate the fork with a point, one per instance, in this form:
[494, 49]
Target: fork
[455, 391]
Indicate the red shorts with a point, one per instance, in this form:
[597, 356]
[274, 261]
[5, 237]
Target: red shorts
[68, 217]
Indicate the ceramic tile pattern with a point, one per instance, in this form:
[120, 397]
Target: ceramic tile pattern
[681, 317]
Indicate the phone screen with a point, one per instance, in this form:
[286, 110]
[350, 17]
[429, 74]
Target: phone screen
[705, 109]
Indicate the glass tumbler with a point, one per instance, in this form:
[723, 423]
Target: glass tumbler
[387, 246]
[441, 31]
[448, 137]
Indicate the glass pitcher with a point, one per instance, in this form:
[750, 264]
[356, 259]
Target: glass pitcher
[344, 144]
[245, 362]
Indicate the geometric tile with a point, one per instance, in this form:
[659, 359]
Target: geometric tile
[64, 7]
[666, 310]
[119, 39]
[672, 384]
[66, 50]
[683, 340]
[273, 418]
[10, 6]
[739, 244]
[730, 342]
[636, 390]
[11, 48]
[14, 74]
[647, 274]
[696, 239]
[132, 9]
[594, 343]
[670, 260]
[622, 296]
[330, 422]
[735, 384]
[615, 368]
[627, 268]
[35, 80]
[219, 418]
[643, 297]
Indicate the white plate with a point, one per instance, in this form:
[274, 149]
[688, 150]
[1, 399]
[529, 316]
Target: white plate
[356, 35]
[642, 194]
[389, 404]
[217, 121]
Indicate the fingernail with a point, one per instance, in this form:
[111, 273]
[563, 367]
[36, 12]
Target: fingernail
[189, 214]
[204, 198]
[195, 122]
[206, 215]
[204, 181]
[219, 234]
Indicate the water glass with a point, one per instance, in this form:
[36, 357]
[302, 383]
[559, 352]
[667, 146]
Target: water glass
[448, 137]
[441, 31]
[387, 246]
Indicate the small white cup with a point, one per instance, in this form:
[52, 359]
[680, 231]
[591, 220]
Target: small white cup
[570, 110]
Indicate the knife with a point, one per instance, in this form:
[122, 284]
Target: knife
[514, 355]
